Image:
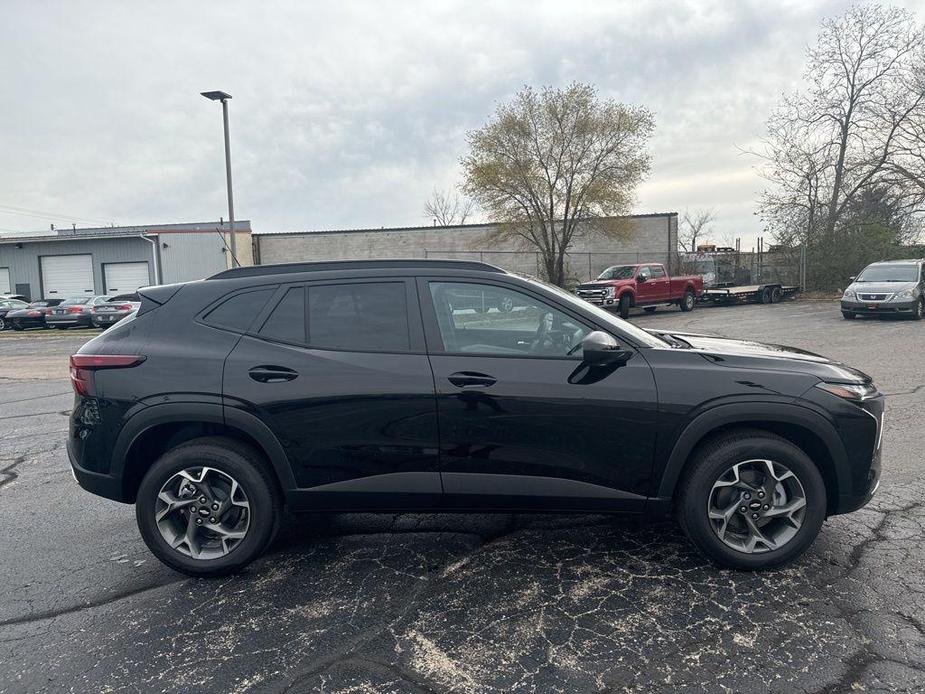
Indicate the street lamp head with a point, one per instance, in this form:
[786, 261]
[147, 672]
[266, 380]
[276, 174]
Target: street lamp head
[216, 96]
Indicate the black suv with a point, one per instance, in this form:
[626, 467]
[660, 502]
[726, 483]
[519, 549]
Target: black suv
[367, 386]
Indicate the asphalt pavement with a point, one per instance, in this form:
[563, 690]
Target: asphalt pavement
[464, 603]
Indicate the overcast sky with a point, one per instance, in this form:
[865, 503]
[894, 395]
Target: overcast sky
[347, 114]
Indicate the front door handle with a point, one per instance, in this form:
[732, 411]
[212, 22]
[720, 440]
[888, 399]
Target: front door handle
[272, 374]
[471, 379]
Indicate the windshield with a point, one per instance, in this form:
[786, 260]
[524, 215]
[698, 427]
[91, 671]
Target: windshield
[619, 325]
[890, 273]
[76, 301]
[618, 272]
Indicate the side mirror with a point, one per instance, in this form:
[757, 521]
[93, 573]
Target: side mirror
[600, 348]
[642, 278]
[852, 278]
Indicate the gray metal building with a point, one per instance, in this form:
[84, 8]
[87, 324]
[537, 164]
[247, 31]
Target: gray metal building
[116, 260]
[647, 238]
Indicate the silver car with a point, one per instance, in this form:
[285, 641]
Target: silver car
[110, 312]
[74, 312]
[890, 287]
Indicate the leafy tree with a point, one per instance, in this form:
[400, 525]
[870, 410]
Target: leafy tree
[556, 163]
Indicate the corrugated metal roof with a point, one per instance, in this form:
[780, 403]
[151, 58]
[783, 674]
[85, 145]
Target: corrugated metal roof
[429, 227]
[123, 232]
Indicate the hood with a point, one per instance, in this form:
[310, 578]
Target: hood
[880, 287]
[724, 350]
[597, 284]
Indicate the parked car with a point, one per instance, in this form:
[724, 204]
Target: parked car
[355, 386]
[887, 288]
[622, 287]
[107, 313]
[75, 312]
[7, 306]
[33, 316]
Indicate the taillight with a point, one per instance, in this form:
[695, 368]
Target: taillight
[124, 307]
[83, 366]
[33, 314]
[75, 309]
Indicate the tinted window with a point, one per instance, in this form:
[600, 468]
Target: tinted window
[369, 316]
[237, 312]
[487, 319]
[76, 301]
[287, 321]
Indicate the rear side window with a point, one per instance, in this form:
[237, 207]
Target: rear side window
[239, 311]
[287, 320]
[369, 316]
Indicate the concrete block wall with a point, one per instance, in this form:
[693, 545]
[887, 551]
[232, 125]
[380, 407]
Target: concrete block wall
[649, 238]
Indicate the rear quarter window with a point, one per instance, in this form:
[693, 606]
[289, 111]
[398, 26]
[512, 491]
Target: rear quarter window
[239, 311]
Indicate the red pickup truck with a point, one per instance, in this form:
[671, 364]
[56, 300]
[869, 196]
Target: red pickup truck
[622, 287]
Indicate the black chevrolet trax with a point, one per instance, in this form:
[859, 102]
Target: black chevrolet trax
[379, 386]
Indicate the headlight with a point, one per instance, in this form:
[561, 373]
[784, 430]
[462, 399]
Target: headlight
[850, 391]
[609, 292]
[849, 295]
[905, 295]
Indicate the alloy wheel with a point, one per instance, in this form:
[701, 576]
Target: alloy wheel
[202, 512]
[756, 506]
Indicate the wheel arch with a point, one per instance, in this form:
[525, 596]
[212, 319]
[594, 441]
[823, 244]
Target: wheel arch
[805, 428]
[159, 428]
[627, 292]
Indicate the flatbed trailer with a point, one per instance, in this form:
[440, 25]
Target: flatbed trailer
[768, 293]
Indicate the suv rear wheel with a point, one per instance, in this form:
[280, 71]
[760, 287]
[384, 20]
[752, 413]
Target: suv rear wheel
[208, 507]
[752, 500]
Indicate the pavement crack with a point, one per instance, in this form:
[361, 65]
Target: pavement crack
[9, 472]
[51, 614]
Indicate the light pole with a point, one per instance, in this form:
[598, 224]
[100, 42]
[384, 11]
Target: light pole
[223, 97]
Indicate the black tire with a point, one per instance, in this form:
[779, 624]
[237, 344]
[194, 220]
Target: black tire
[766, 295]
[243, 463]
[709, 464]
[848, 315]
[776, 294]
[919, 309]
[650, 309]
[624, 306]
[506, 305]
[688, 301]
[2, 324]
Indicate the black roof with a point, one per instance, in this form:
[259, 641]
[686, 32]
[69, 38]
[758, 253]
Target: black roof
[321, 266]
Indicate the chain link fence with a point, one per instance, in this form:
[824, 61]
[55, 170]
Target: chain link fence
[580, 267]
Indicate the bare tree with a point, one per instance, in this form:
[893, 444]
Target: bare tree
[694, 227]
[857, 127]
[555, 163]
[447, 208]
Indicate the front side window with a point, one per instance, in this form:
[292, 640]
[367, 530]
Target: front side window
[657, 271]
[368, 316]
[488, 319]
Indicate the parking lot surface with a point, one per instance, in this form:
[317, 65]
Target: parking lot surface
[486, 603]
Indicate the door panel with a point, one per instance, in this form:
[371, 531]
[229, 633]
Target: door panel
[359, 428]
[535, 430]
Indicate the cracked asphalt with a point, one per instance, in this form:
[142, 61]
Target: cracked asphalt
[464, 603]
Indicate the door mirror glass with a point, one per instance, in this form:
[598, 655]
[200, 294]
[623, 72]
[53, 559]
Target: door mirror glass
[599, 347]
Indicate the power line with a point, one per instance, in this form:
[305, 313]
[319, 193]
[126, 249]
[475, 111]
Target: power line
[41, 214]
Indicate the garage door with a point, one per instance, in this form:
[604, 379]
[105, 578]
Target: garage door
[122, 278]
[64, 276]
[5, 280]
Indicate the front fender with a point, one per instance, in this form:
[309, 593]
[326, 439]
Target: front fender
[754, 414]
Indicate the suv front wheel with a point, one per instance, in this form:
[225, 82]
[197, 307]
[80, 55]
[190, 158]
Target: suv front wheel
[208, 507]
[752, 500]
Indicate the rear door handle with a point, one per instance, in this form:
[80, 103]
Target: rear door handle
[272, 374]
[470, 379]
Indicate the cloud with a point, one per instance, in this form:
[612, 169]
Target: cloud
[348, 113]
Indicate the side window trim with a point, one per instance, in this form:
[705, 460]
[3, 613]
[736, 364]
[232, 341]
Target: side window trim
[432, 329]
[264, 315]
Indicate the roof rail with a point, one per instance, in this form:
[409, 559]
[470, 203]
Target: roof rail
[320, 266]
